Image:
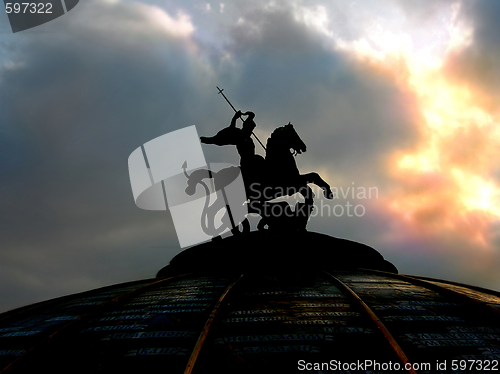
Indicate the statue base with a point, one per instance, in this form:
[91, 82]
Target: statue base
[267, 251]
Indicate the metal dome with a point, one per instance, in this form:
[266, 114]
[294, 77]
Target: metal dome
[327, 310]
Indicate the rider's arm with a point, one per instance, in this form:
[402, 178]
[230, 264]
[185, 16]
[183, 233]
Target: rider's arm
[235, 117]
[248, 124]
[251, 115]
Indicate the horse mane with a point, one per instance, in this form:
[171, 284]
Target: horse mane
[274, 139]
[277, 132]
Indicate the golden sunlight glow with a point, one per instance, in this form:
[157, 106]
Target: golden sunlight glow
[446, 181]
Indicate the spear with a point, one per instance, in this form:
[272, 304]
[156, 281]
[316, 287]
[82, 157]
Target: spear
[224, 96]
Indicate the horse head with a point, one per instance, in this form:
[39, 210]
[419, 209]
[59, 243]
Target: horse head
[290, 139]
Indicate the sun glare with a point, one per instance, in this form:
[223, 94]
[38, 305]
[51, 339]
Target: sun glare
[446, 179]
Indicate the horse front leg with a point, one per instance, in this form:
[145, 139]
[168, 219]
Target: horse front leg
[318, 181]
[307, 193]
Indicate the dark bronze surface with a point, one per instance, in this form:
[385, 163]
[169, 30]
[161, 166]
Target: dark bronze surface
[268, 321]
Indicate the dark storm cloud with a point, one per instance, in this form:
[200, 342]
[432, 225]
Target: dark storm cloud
[477, 66]
[349, 114]
[353, 116]
[76, 103]
[81, 101]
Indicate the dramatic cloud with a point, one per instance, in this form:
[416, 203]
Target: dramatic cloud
[77, 100]
[395, 95]
[476, 66]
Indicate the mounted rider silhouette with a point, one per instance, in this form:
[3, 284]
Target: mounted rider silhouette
[233, 135]
[252, 164]
[277, 175]
[230, 135]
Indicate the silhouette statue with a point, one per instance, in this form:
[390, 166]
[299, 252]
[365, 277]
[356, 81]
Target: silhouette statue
[274, 176]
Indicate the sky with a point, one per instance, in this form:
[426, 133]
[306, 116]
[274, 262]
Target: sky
[399, 96]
